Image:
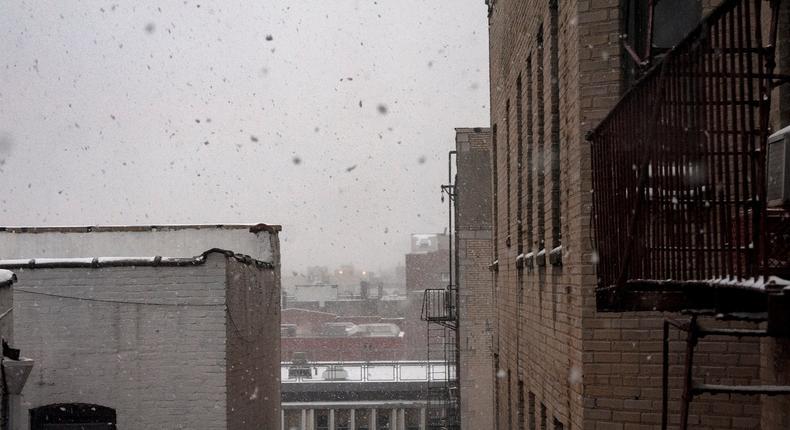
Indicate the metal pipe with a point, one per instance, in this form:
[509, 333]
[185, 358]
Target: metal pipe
[691, 342]
[5, 410]
[665, 379]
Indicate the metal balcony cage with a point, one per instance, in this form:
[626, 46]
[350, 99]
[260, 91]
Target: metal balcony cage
[438, 306]
[679, 175]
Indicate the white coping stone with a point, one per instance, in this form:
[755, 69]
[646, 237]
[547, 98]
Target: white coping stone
[166, 242]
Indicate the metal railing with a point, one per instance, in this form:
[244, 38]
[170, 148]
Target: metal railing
[364, 371]
[438, 305]
[679, 164]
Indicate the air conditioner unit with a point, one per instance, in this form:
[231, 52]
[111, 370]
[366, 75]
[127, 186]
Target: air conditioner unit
[778, 168]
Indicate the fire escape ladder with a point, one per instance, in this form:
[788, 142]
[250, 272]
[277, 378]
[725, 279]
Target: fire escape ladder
[440, 311]
[691, 389]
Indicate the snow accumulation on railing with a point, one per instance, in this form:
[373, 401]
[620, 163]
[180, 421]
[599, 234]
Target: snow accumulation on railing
[399, 371]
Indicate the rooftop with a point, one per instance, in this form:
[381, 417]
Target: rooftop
[119, 245]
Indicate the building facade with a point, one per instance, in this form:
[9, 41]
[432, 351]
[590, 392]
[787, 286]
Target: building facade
[475, 295]
[148, 327]
[323, 336]
[427, 266]
[557, 68]
[351, 395]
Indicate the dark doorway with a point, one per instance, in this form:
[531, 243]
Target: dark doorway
[72, 416]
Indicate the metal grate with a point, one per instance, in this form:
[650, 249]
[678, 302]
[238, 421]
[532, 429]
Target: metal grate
[438, 306]
[679, 163]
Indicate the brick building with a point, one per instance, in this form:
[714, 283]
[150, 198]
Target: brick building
[475, 296]
[148, 327]
[426, 267]
[324, 336]
[557, 68]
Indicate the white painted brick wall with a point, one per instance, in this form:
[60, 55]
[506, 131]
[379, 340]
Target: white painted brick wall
[160, 367]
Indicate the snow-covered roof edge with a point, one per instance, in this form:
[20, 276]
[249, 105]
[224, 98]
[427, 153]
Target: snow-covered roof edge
[98, 262]
[252, 227]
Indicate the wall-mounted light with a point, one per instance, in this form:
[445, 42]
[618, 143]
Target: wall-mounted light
[16, 373]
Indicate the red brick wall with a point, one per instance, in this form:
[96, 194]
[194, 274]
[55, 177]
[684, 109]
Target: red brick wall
[425, 270]
[319, 348]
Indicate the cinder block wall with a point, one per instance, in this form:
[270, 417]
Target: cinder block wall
[476, 313]
[562, 364]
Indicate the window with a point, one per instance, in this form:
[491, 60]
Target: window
[521, 418]
[540, 131]
[558, 425]
[556, 222]
[519, 167]
[509, 402]
[530, 161]
[76, 415]
[322, 419]
[672, 21]
[495, 185]
[508, 170]
[496, 389]
[532, 422]
[543, 417]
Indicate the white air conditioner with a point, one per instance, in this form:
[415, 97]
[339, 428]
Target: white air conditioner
[778, 168]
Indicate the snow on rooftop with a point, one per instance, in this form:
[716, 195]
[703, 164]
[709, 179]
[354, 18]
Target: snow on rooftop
[758, 283]
[399, 371]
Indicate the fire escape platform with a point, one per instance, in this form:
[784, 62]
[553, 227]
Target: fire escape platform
[727, 301]
[768, 390]
[686, 218]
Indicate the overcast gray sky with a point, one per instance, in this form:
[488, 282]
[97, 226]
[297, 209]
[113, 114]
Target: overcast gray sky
[332, 118]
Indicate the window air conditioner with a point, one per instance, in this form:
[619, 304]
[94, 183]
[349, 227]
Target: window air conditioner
[778, 168]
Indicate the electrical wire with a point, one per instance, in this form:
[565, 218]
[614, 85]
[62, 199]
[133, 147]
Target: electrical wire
[125, 302]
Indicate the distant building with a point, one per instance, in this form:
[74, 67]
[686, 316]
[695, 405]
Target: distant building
[323, 336]
[427, 265]
[431, 242]
[356, 395]
[148, 327]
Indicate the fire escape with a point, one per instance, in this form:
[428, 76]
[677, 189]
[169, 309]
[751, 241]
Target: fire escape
[682, 208]
[440, 311]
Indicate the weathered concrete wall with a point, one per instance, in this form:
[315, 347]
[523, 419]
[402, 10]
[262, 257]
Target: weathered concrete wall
[160, 365]
[476, 313]
[253, 347]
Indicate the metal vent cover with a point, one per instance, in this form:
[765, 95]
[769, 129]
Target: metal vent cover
[778, 168]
